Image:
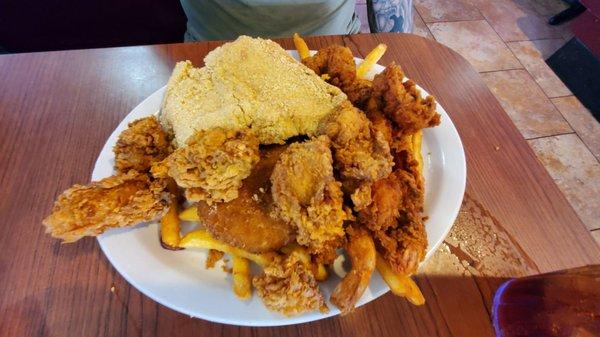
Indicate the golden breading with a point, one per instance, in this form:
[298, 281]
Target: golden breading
[117, 201]
[248, 83]
[402, 102]
[359, 150]
[247, 222]
[212, 165]
[361, 251]
[306, 195]
[395, 219]
[338, 63]
[143, 143]
[289, 287]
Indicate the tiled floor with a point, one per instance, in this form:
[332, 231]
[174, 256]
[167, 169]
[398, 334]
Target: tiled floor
[507, 42]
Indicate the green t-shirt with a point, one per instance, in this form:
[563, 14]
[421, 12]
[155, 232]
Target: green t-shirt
[220, 20]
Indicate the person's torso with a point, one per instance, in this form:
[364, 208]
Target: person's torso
[216, 20]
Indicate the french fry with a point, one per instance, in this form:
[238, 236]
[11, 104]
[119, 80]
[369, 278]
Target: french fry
[417, 140]
[370, 60]
[242, 280]
[400, 285]
[189, 214]
[301, 46]
[202, 239]
[169, 228]
[169, 223]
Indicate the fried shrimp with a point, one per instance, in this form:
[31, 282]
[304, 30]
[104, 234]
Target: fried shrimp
[361, 250]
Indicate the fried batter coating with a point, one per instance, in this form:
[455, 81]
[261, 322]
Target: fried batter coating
[361, 197]
[394, 217]
[289, 287]
[143, 143]
[360, 151]
[248, 221]
[117, 201]
[361, 250]
[338, 62]
[213, 164]
[404, 158]
[212, 258]
[306, 195]
[404, 247]
[402, 102]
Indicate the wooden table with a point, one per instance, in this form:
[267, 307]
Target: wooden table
[58, 108]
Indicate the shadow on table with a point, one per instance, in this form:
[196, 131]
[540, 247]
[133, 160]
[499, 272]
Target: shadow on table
[74, 250]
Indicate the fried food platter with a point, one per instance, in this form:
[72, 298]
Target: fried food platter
[178, 279]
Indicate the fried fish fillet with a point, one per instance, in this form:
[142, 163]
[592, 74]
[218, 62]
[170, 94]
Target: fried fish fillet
[212, 165]
[307, 196]
[289, 287]
[117, 201]
[143, 143]
[249, 83]
[248, 221]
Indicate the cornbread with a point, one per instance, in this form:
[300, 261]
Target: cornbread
[250, 82]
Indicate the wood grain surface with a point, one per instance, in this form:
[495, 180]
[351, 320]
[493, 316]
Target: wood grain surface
[58, 108]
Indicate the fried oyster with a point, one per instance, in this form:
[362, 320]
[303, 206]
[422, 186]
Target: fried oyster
[212, 165]
[289, 287]
[143, 143]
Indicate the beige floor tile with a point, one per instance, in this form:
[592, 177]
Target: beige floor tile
[477, 42]
[532, 55]
[531, 111]
[446, 10]
[581, 120]
[516, 22]
[596, 235]
[419, 27]
[575, 171]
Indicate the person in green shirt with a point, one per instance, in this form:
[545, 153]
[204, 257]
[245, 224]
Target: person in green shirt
[228, 19]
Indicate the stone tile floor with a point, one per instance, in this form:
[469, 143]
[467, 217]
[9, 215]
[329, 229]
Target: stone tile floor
[507, 42]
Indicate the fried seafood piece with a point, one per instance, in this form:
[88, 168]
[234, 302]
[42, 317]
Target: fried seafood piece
[212, 165]
[404, 158]
[361, 250]
[395, 219]
[248, 221]
[361, 196]
[402, 102]
[288, 287]
[360, 151]
[307, 196]
[338, 62]
[143, 143]
[404, 247]
[117, 201]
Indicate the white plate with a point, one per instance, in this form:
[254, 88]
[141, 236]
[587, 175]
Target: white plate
[178, 279]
